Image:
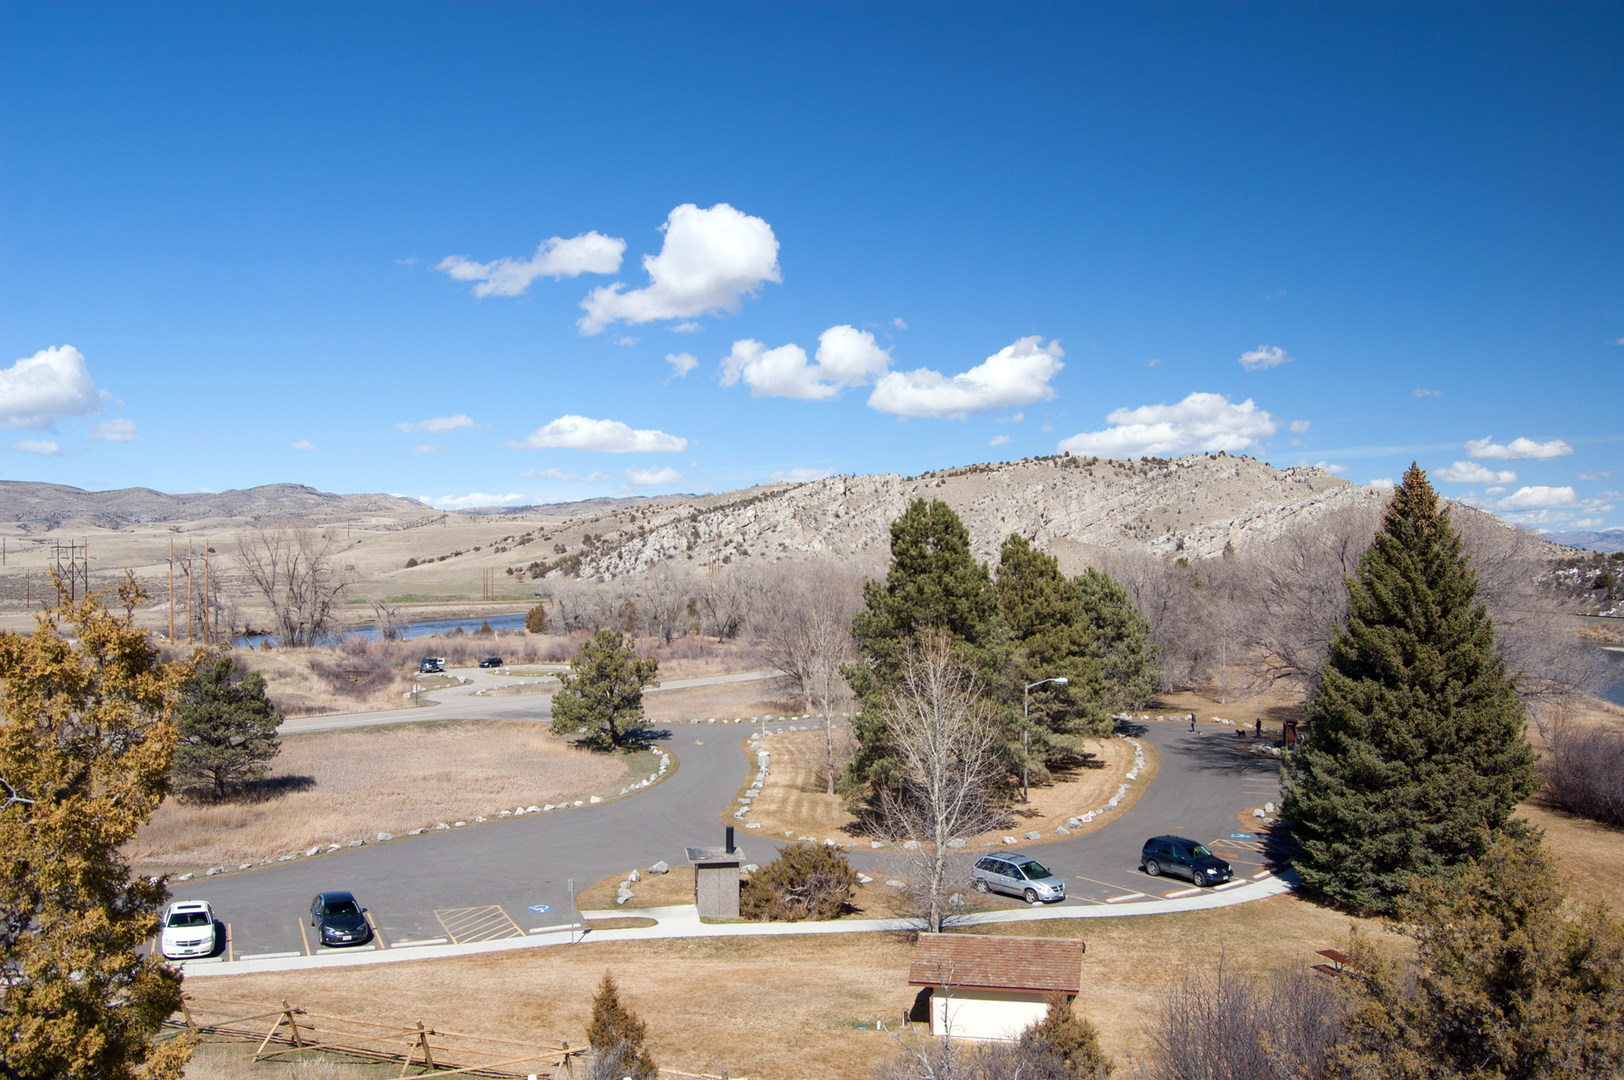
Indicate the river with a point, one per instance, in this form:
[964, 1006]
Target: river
[427, 628]
[1613, 688]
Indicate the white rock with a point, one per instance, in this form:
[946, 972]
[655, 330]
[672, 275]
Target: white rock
[864, 879]
[313, 851]
[211, 871]
[506, 813]
[753, 825]
[577, 802]
[335, 847]
[1009, 840]
[417, 832]
[749, 868]
[1072, 823]
[596, 799]
[1257, 813]
[184, 877]
[286, 858]
[1268, 808]
[875, 844]
[1061, 830]
[442, 825]
[385, 836]
[911, 845]
[956, 842]
[458, 824]
[1034, 835]
[533, 809]
[895, 884]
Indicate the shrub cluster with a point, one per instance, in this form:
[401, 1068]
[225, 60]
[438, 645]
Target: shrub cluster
[1584, 772]
[806, 881]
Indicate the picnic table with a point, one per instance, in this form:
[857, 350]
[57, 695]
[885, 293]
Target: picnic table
[1339, 962]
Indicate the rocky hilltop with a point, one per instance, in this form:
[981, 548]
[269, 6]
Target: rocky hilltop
[49, 506]
[1069, 506]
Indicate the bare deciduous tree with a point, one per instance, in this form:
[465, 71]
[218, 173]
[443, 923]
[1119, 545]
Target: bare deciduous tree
[291, 565]
[726, 598]
[945, 737]
[802, 622]
[665, 605]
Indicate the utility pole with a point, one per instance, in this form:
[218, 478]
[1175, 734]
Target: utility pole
[205, 597]
[171, 590]
[188, 592]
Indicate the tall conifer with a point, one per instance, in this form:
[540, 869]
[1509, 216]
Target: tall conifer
[1415, 756]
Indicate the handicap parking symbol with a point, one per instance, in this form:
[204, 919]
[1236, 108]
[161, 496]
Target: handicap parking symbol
[539, 909]
[1232, 836]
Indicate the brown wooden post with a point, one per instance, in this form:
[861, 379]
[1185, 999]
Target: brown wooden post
[423, 1041]
[171, 590]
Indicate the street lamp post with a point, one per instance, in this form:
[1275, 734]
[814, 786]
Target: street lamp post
[1026, 726]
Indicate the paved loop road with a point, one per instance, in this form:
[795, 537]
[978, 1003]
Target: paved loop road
[482, 881]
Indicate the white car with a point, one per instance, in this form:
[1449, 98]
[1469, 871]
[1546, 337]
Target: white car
[188, 930]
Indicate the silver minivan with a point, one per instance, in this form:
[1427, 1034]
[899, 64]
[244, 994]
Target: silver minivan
[1017, 875]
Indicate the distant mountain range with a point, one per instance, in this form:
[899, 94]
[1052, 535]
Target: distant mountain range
[1607, 540]
[50, 506]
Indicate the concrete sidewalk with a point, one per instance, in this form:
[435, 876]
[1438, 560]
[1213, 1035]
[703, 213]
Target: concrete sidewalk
[683, 921]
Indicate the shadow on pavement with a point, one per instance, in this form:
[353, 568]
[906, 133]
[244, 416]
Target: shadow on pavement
[1222, 751]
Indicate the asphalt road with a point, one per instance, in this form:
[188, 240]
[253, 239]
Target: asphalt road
[509, 877]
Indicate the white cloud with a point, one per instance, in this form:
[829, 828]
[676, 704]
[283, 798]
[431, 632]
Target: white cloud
[681, 363]
[113, 431]
[38, 390]
[435, 425]
[1382, 482]
[1496, 489]
[604, 436]
[800, 476]
[710, 260]
[900, 323]
[1300, 427]
[846, 357]
[1470, 472]
[1201, 422]
[1588, 523]
[651, 477]
[589, 253]
[1017, 374]
[43, 447]
[1264, 357]
[473, 498]
[1596, 474]
[1328, 467]
[1528, 498]
[626, 340]
[428, 448]
[686, 328]
[1422, 391]
[302, 444]
[593, 477]
[998, 440]
[1617, 341]
[1517, 449]
[1154, 361]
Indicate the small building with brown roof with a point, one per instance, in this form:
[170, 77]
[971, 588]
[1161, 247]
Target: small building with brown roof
[993, 987]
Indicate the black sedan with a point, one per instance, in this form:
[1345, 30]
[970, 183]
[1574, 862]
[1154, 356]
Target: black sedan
[491, 661]
[339, 919]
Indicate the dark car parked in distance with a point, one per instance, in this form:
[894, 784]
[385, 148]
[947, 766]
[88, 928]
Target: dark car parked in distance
[491, 661]
[1183, 857]
[339, 919]
[431, 665]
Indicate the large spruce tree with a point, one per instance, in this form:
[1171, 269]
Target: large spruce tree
[1415, 757]
[934, 584]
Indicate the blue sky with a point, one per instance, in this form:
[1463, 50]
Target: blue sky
[528, 253]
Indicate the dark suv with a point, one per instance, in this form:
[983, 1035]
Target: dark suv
[1183, 857]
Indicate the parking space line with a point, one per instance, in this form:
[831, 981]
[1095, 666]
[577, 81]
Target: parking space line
[304, 937]
[414, 944]
[1261, 874]
[267, 955]
[1176, 893]
[1228, 885]
[229, 943]
[1125, 896]
[463, 925]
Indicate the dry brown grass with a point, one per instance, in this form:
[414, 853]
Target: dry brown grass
[724, 702]
[795, 1008]
[795, 797]
[438, 773]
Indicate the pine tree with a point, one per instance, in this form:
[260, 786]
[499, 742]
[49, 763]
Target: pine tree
[604, 692]
[934, 584]
[1044, 638]
[1415, 756]
[1119, 639]
[616, 1036]
[226, 727]
[85, 746]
